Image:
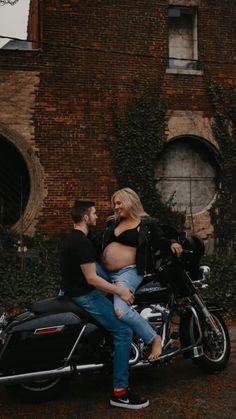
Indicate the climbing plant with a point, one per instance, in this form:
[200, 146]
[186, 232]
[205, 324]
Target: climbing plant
[224, 129]
[137, 145]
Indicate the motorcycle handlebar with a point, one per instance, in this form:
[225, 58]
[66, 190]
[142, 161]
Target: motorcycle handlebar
[168, 259]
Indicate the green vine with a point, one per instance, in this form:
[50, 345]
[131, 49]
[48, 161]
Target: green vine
[224, 129]
[137, 145]
[39, 278]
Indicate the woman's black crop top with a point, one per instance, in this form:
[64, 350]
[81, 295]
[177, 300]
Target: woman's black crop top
[128, 237]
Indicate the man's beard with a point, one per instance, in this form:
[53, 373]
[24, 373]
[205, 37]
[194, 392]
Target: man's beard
[91, 224]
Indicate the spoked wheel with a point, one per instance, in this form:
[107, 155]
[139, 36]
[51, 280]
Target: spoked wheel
[216, 349]
[40, 390]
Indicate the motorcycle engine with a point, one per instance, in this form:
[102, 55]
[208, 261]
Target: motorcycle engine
[154, 315]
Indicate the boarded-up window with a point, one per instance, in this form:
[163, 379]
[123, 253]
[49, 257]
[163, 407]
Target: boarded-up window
[182, 37]
[187, 175]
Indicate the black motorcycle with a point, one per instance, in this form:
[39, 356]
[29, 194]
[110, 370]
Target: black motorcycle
[43, 347]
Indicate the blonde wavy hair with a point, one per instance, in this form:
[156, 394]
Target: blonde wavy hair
[131, 202]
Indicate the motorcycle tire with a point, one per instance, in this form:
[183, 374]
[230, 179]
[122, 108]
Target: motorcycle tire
[38, 391]
[216, 350]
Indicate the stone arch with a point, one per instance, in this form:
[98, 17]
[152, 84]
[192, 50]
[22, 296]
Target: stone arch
[191, 123]
[37, 191]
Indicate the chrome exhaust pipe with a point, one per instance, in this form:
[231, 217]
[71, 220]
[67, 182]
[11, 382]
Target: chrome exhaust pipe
[49, 374]
[59, 372]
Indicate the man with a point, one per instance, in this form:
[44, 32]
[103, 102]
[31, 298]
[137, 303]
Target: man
[81, 282]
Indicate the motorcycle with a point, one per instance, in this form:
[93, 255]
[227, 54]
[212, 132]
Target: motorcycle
[42, 348]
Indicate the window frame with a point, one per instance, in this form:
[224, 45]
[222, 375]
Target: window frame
[191, 62]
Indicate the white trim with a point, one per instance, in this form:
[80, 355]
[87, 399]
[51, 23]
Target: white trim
[184, 71]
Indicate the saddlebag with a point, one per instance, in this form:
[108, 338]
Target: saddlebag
[39, 341]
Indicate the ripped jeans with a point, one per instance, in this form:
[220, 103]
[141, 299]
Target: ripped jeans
[128, 277]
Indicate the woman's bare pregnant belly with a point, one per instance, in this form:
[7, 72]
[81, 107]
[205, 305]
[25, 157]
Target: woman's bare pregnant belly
[117, 256]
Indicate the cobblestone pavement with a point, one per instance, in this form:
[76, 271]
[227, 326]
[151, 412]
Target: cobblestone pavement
[177, 391]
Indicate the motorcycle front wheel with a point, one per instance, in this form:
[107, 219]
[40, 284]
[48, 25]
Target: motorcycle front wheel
[216, 349]
[38, 391]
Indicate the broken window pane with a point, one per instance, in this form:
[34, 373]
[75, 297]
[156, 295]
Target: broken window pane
[182, 38]
[13, 24]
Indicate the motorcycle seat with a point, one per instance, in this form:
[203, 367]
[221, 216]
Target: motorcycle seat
[58, 305]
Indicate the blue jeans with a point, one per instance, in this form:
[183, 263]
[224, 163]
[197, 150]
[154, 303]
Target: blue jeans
[128, 277]
[99, 307]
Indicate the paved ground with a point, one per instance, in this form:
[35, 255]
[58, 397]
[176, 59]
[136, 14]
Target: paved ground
[177, 391]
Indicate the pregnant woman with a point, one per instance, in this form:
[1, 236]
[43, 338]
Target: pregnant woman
[129, 243]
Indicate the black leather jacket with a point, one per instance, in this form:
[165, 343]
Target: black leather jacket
[151, 239]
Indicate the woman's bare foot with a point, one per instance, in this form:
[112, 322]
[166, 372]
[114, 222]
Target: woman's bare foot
[156, 349]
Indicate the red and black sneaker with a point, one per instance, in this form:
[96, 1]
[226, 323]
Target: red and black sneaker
[128, 401]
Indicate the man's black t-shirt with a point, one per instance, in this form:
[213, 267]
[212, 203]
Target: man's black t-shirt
[76, 250]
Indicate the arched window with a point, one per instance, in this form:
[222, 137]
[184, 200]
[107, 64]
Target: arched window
[14, 183]
[187, 174]
[21, 182]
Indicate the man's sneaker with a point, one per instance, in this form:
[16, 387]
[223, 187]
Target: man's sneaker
[129, 401]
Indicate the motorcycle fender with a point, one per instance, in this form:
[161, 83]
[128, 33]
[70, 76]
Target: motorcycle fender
[188, 329]
[39, 341]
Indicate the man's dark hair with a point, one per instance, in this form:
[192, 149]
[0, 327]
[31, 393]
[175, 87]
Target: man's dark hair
[79, 208]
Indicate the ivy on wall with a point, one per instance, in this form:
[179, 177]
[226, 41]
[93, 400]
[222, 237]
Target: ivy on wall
[39, 276]
[137, 145]
[224, 128]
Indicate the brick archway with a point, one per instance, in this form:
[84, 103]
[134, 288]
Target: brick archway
[36, 180]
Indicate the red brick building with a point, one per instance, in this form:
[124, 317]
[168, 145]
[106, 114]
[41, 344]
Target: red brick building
[56, 102]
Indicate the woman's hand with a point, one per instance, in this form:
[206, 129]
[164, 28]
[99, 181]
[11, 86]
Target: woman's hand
[176, 248]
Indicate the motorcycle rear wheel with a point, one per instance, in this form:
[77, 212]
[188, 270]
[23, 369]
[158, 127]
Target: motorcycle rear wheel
[38, 391]
[216, 349]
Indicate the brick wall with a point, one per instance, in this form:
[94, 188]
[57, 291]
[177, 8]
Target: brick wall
[17, 98]
[93, 58]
